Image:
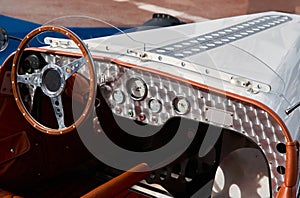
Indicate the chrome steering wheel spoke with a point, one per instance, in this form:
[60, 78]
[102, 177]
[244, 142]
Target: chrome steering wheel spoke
[32, 90]
[58, 111]
[73, 67]
[34, 79]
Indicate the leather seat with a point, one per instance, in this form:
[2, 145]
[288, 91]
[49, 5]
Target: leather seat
[6, 194]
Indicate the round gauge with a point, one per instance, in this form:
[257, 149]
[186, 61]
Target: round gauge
[30, 63]
[181, 105]
[155, 105]
[34, 61]
[118, 96]
[137, 88]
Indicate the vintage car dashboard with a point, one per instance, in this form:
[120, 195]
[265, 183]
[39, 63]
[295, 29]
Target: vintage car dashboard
[152, 99]
[141, 106]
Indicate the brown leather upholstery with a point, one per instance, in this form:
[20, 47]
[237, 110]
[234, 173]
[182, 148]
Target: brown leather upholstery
[6, 194]
[119, 184]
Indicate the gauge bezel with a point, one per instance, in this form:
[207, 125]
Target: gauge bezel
[175, 103]
[159, 101]
[129, 90]
[121, 92]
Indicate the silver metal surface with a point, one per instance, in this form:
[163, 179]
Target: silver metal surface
[34, 79]
[72, 67]
[59, 111]
[221, 37]
[249, 85]
[43, 85]
[219, 117]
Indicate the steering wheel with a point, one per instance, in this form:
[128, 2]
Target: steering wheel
[52, 80]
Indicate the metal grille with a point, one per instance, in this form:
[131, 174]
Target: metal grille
[221, 37]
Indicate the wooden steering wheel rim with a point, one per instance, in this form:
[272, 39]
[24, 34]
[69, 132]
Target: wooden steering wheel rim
[92, 85]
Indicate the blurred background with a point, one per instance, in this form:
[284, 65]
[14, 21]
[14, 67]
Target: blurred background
[136, 12]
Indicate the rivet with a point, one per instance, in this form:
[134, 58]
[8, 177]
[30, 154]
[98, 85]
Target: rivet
[118, 110]
[154, 119]
[12, 150]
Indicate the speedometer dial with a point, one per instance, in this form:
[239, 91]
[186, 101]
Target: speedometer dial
[137, 88]
[181, 105]
[155, 105]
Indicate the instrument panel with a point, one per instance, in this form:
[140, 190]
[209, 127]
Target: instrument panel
[153, 99]
[148, 98]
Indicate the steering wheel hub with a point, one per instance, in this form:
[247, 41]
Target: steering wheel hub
[53, 80]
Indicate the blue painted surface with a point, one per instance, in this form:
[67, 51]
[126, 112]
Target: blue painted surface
[19, 28]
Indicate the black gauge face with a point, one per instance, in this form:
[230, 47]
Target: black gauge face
[137, 88]
[31, 63]
[181, 105]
